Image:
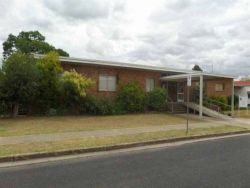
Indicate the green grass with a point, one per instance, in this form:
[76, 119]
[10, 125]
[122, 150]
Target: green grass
[43, 125]
[8, 150]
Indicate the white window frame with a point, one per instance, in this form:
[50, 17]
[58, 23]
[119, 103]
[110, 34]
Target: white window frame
[150, 84]
[107, 81]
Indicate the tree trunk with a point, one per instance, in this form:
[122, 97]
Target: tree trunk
[15, 109]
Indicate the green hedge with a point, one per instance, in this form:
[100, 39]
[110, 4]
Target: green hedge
[156, 99]
[131, 98]
[221, 101]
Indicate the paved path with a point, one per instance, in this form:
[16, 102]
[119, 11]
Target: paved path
[97, 133]
[207, 164]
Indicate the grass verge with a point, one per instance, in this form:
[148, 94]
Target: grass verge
[43, 125]
[9, 150]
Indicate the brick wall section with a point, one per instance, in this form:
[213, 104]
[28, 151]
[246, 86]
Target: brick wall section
[210, 87]
[124, 75]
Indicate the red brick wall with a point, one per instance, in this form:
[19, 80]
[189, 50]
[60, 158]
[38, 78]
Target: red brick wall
[210, 87]
[124, 75]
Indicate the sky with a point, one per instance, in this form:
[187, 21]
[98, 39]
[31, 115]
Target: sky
[214, 34]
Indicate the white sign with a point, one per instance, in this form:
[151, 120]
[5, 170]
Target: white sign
[243, 102]
[189, 80]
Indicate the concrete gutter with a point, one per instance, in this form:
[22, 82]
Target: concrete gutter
[30, 156]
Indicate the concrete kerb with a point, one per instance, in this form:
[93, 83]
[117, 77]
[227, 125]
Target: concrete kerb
[16, 158]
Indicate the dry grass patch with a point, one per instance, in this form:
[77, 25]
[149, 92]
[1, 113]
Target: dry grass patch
[43, 125]
[8, 150]
[242, 113]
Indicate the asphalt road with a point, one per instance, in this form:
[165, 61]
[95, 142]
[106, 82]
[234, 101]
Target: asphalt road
[217, 163]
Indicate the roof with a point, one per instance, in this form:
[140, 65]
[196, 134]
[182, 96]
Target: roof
[118, 64]
[242, 83]
[183, 72]
[196, 75]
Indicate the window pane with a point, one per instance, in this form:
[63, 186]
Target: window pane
[102, 83]
[111, 83]
[150, 84]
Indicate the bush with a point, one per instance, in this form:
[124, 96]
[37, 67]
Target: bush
[156, 99]
[220, 101]
[73, 87]
[4, 109]
[131, 97]
[236, 101]
[98, 105]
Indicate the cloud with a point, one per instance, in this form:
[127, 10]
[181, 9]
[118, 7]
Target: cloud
[84, 9]
[176, 33]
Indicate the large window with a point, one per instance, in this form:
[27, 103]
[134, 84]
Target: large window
[219, 87]
[150, 84]
[107, 83]
[248, 94]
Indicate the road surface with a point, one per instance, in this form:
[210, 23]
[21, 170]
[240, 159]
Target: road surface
[217, 163]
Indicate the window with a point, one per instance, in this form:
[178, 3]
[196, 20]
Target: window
[107, 83]
[219, 87]
[248, 94]
[150, 84]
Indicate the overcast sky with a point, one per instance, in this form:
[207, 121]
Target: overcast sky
[176, 33]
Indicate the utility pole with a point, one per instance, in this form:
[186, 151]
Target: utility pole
[189, 83]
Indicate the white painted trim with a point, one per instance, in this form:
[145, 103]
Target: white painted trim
[197, 75]
[118, 64]
[201, 96]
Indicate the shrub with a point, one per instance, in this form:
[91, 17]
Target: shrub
[220, 101]
[236, 101]
[98, 105]
[131, 97]
[73, 87]
[4, 109]
[156, 99]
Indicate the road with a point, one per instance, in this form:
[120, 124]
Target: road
[217, 163]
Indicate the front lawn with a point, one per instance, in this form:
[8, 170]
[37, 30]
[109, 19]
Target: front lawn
[8, 150]
[242, 113]
[43, 125]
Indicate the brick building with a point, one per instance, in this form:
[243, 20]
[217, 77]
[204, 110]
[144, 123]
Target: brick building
[109, 76]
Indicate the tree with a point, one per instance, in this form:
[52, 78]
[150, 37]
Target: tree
[18, 82]
[28, 42]
[50, 70]
[196, 68]
[73, 87]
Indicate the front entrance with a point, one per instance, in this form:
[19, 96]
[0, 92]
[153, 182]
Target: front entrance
[180, 91]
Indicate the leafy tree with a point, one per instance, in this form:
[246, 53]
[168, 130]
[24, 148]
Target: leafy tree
[196, 68]
[73, 87]
[50, 70]
[131, 97]
[28, 42]
[18, 80]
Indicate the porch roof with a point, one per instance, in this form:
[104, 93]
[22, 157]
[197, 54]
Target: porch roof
[195, 76]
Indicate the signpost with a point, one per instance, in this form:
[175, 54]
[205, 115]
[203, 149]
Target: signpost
[189, 83]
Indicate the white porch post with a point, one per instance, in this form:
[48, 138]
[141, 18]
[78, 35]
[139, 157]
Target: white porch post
[232, 99]
[201, 96]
